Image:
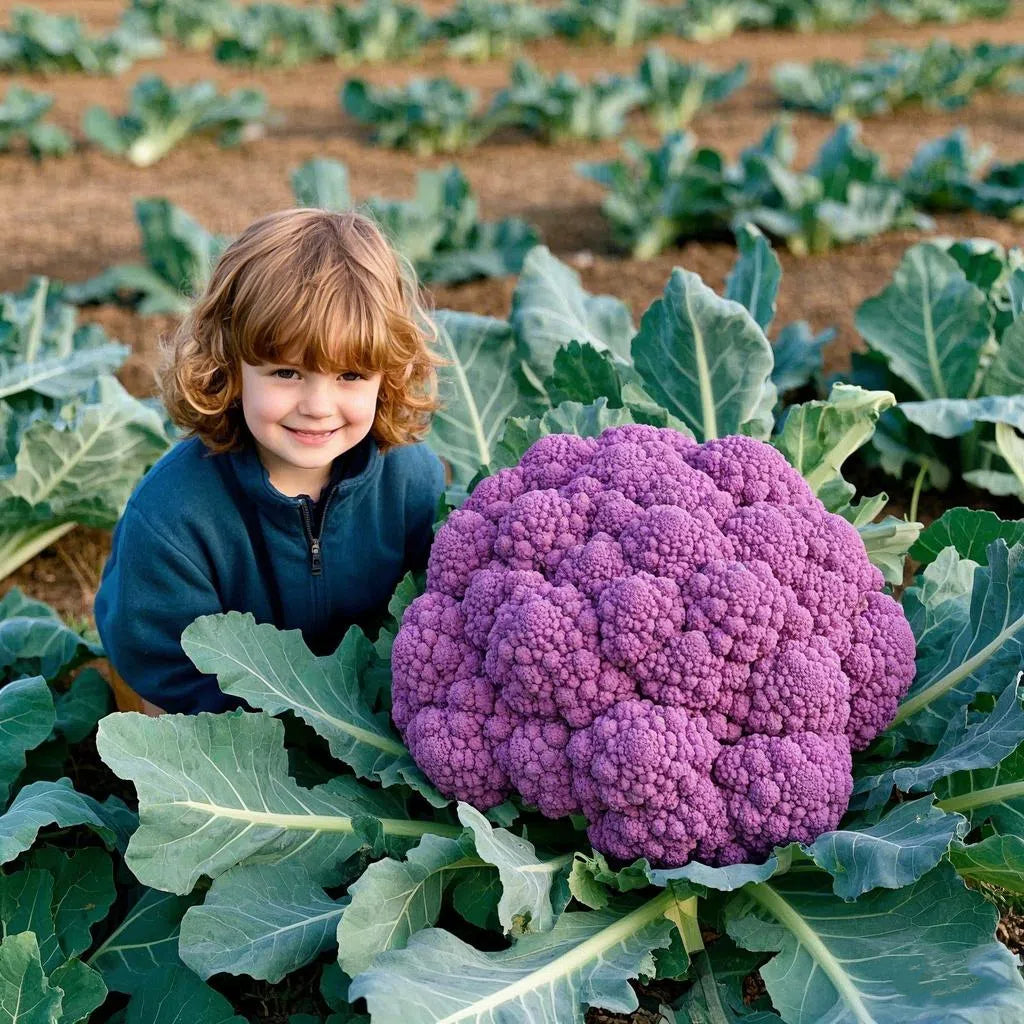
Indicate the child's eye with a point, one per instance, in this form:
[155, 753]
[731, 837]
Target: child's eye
[350, 375]
[285, 374]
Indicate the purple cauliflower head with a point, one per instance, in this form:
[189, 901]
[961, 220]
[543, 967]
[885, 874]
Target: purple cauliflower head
[674, 639]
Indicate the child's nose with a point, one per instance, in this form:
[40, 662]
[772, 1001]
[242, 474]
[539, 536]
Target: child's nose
[316, 401]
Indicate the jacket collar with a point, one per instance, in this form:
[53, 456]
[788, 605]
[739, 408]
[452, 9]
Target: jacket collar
[350, 473]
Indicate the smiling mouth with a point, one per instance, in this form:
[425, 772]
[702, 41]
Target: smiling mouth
[313, 433]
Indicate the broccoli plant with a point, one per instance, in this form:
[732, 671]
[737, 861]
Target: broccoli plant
[195, 24]
[50, 43]
[562, 107]
[939, 75]
[948, 175]
[160, 116]
[675, 91]
[479, 30]
[21, 117]
[619, 22]
[377, 30]
[179, 256]
[679, 191]
[427, 115]
[276, 35]
[438, 230]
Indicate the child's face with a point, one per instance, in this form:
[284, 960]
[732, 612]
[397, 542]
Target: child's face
[302, 421]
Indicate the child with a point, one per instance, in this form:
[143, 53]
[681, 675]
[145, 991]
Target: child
[301, 376]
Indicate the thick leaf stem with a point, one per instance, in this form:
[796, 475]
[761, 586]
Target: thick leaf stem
[17, 546]
[982, 798]
[916, 496]
[333, 823]
[805, 934]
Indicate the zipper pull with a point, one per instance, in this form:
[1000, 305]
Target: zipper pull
[314, 550]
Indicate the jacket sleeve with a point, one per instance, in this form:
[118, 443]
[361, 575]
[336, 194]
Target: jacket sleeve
[150, 591]
[426, 486]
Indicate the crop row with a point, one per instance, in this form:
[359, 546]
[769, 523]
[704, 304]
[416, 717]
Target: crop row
[272, 34]
[438, 115]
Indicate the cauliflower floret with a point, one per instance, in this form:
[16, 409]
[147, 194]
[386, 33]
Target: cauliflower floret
[750, 471]
[592, 566]
[637, 614]
[880, 667]
[741, 608]
[784, 789]
[464, 544]
[451, 749]
[535, 759]
[642, 774]
[697, 828]
[544, 650]
[799, 688]
[493, 496]
[640, 754]
[430, 653]
[553, 460]
[539, 528]
[672, 542]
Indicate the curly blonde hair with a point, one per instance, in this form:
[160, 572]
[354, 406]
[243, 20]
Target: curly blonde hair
[325, 291]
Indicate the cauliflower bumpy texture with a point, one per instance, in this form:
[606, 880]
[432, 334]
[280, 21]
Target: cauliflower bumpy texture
[674, 639]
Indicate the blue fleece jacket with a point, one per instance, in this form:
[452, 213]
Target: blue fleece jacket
[205, 533]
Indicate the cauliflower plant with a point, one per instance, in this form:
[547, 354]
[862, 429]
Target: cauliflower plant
[674, 639]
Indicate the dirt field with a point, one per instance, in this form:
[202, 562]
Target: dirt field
[71, 218]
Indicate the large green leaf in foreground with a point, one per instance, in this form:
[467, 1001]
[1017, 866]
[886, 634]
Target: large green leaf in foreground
[197, 819]
[706, 360]
[924, 953]
[548, 978]
[260, 920]
[275, 671]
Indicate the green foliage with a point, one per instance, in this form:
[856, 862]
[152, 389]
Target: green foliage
[179, 255]
[940, 75]
[678, 191]
[276, 35]
[560, 108]
[478, 30]
[73, 443]
[439, 229]
[51, 43]
[195, 24]
[427, 116]
[947, 175]
[160, 116]
[676, 91]
[956, 363]
[378, 30]
[437, 115]
[20, 117]
[619, 22]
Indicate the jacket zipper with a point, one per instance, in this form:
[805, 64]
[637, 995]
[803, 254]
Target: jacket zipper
[316, 566]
